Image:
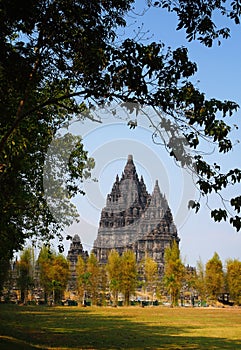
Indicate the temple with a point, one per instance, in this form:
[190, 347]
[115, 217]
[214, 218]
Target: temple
[75, 250]
[134, 219]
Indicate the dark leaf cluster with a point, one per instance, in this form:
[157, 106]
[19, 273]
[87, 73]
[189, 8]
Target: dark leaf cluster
[197, 17]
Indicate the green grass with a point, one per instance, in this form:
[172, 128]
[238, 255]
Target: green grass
[34, 327]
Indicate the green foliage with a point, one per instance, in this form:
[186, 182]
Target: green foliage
[81, 277]
[113, 268]
[173, 272]
[200, 285]
[214, 277]
[44, 263]
[25, 270]
[197, 17]
[128, 274]
[233, 276]
[93, 274]
[54, 273]
[103, 286]
[35, 102]
[150, 269]
[58, 276]
[122, 274]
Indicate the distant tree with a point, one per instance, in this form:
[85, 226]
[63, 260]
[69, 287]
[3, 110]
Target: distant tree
[150, 274]
[54, 273]
[128, 275]
[58, 276]
[44, 263]
[93, 271]
[113, 268]
[103, 285]
[81, 278]
[233, 276]
[25, 268]
[189, 279]
[173, 272]
[214, 277]
[200, 285]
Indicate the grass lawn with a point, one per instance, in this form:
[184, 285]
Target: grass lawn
[40, 327]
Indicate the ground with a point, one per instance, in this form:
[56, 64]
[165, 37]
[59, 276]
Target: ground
[156, 327]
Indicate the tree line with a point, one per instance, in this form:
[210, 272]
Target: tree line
[122, 276]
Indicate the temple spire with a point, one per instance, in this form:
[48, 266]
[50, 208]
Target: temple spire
[130, 169]
[157, 199]
[156, 190]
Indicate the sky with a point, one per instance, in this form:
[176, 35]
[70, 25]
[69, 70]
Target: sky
[219, 76]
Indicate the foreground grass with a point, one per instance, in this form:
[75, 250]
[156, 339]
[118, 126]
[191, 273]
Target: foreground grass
[34, 327]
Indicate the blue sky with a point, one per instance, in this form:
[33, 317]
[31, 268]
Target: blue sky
[219, 76]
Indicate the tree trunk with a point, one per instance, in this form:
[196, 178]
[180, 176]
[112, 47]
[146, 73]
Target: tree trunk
[127, 298]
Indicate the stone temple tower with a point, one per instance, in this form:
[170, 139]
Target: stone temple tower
[134, 219]
[75, 250]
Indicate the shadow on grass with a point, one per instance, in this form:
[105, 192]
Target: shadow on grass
[9, 343]
[74, 328]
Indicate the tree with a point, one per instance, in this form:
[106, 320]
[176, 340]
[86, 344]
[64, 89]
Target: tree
[113, 268]
[39, 76]
[234, 280]
[54, 273]
[57, 60]
[150, 274]
[81, 278]
[173, 272]
[25, 135]
[200, 280]
[93, 271]
[58, 276]
[25, 269]
[4, 271]
[103, 286]
[214, 277]
[189, 283]
[128, 275]
[44, 263]
[197, 18]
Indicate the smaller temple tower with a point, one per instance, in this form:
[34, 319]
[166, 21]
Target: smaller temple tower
[75, 250]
